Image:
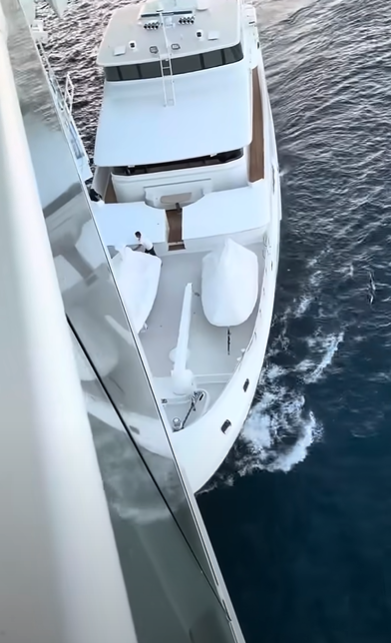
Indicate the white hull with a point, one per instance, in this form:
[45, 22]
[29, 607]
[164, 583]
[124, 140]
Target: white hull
[204, 374]
[202, 447]
[228, 381]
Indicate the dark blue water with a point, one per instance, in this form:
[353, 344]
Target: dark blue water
[306, 547]
[300, 514]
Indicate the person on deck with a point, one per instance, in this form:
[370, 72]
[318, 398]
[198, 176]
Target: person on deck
[145, 243]
[94, 196]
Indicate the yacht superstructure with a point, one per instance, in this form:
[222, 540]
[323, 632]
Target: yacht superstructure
[185, 153]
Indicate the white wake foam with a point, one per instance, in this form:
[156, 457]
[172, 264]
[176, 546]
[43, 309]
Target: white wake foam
[304, 303]
[326, 347]
[281, 427]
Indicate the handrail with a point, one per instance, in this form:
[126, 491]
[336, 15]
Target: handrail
[166, 68]
[69, 92]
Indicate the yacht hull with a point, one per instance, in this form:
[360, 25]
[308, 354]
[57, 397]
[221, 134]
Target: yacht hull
[203, 445]
[206, 420]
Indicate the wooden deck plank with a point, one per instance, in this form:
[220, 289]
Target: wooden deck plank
[257, 152]
[174, 220]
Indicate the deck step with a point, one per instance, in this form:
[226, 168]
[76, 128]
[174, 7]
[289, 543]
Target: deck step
[174, 221]
[176, 245]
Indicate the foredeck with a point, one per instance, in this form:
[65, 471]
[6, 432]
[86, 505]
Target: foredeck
[208, 345]
[257, 151]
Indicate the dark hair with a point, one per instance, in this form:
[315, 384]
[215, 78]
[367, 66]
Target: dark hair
[137, 234]
[94, 196]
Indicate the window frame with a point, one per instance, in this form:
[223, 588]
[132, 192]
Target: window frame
[178, 64]
[203, 161]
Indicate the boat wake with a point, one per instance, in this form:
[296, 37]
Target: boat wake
[326, 347]
[281, 427]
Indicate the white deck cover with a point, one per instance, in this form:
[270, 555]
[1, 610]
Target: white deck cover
[117, 222]
[137, 275]
[229, 284]
[227, 212]
[212, 114]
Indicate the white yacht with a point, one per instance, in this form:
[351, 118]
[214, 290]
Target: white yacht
[95, 544]
[185, 153]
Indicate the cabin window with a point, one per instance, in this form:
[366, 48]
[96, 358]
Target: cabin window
[149, 70]
[233, 54]
[213, 59]
[180, 65]
[129, 72]
[112, 73]
[217, 159]
[186, 64]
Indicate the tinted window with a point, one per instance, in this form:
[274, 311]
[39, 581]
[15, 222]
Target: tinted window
[181, 65]
[213, 59]
[186, 64]
[223, 157]
[112, 73]
[233, 54]
[129, 72]
[150, 70]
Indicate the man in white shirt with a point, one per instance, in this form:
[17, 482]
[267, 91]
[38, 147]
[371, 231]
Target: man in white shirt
[144, 242]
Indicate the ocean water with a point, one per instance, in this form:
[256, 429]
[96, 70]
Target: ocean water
[300, 513]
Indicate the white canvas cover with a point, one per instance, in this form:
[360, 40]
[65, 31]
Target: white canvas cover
[137, 275]
[229, 284]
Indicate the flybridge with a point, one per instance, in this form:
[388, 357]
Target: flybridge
[186, 18]
[157, 14]
[141, 34]
[174, 8]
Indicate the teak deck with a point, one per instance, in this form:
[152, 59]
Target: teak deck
[110, 196]
[174, 220]
[257, 152]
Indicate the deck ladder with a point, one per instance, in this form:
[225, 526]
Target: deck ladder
[69, 93]
[166, 70]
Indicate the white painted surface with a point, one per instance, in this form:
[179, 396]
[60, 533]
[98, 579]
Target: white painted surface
[117, 222]
[205, 436]
[60, 577]
[212, 114]
[126, 25]
[207, 179]
[181, 377]
[212, 109]
[207, 344]
[246, 238]
[137, 275]
[229, 287]
[227, 212]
